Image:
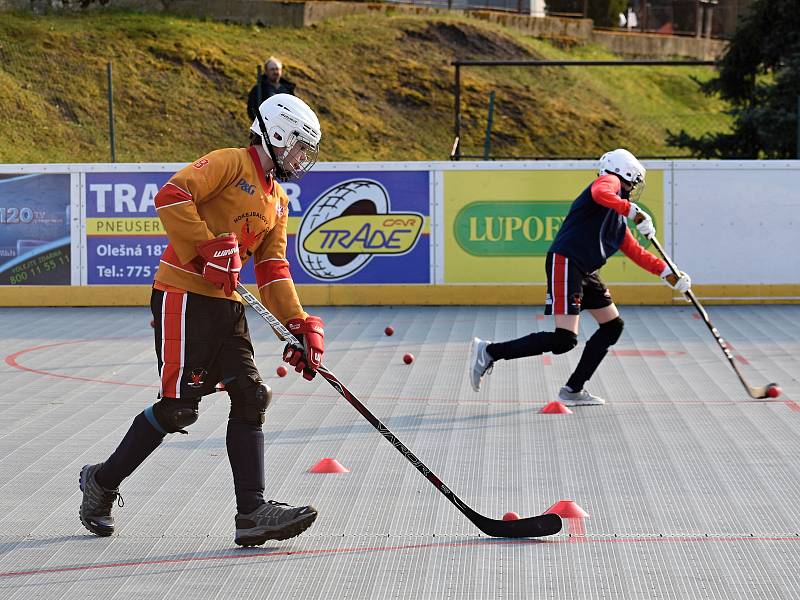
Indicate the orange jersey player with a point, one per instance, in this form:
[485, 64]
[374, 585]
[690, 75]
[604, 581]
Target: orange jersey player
[219, 212]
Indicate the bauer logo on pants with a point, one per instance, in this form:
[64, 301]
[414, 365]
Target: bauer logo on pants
[349, 224]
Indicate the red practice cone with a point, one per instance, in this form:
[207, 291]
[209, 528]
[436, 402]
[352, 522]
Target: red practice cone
[328, 465]
[555, 408]
[567, 509]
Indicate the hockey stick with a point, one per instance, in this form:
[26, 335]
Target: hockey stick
[771, 390]
[539, 526]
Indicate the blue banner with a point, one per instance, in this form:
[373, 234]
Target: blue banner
[35, 229]
[349, 227]
[361, 227]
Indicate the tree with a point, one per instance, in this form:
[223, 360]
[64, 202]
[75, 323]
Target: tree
[759, 74]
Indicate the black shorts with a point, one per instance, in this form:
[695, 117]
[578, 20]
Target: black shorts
[570, 290]
[201, 342]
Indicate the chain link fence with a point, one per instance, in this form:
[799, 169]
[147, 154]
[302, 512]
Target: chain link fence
[543, 112]
[580, 109]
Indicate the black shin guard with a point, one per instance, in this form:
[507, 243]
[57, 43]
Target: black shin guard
[557, 342]
[245, 443]
[594, 352]
[140, 441]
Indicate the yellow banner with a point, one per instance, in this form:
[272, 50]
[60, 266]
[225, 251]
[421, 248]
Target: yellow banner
[124, 226]
[498, 225]
[395, 233]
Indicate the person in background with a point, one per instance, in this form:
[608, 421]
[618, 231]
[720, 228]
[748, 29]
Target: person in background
[270, 83]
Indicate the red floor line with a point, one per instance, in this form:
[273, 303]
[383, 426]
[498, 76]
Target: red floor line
[11, 360]
[792, 404]
[584, 539]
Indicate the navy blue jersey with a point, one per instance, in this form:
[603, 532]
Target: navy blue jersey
[595, 226]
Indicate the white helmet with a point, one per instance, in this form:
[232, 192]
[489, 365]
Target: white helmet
[623, 163]
[293, 132]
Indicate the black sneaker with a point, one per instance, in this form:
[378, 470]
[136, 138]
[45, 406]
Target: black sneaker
[273, 521]
[97, 502]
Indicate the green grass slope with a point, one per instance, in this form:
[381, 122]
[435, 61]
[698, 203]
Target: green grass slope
[382, 85]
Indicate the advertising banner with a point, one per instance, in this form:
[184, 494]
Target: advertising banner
[360, 227]
[124, 237]
[498, 225]
[35, 229]
[353, 227]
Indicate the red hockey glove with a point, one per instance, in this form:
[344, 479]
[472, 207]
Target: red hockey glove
[307, 357]
[222, 261]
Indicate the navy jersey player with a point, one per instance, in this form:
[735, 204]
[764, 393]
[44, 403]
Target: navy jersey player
[594, 229]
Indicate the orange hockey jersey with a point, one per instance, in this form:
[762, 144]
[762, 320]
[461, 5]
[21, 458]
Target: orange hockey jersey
[227, 191]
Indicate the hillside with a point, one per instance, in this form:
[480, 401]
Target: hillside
[382, 86]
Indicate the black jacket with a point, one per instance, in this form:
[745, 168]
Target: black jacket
[267, 89]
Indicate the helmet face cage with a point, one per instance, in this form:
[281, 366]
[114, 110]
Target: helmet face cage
[295, 159]
[637, 190]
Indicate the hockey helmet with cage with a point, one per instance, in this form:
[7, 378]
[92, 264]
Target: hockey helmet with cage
[625, 165]
[290, 135]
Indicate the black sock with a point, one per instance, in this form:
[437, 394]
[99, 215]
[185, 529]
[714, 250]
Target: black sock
[140, 441]
[530, 345]
[245, 443]
[593, 354]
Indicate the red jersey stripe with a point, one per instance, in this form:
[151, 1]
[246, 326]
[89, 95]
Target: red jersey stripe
[271, 270]
[170, 195]
[170, 257]
[173, 334]
[559, 279]
[266, 184]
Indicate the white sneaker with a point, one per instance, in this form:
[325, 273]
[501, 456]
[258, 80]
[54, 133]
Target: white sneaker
[480, 363]
[581, 398]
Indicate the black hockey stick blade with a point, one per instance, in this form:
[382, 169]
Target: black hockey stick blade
[539, 526]
[771, 390]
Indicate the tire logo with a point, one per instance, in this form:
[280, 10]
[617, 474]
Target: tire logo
[349, 224]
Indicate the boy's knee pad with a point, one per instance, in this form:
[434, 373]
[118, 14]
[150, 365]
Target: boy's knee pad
[563, 341]
[250, 403]
[170, 415]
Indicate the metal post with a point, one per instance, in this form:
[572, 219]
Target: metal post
[111, 114]
[798, 127]
[457, 155]
[258, 86]
[698, 19]
[487, 142]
